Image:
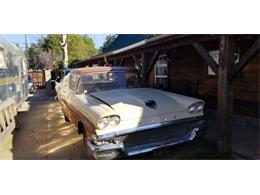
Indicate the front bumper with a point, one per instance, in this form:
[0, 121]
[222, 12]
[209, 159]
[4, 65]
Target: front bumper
[146, 140]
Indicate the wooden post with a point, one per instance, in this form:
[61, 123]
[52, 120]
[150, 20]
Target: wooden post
[115, 62]
[225, 93]
[145, 79]
[152, 61]
[121, 62]
[138, 65]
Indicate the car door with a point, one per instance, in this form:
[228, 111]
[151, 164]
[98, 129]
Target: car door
[67, 93]
[75, 98]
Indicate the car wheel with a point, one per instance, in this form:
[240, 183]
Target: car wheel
[66, 118]
[95, 155]
[87, 150]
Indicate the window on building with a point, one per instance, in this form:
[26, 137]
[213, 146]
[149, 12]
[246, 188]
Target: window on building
[2, 59]
[215, 55]
[161, 72]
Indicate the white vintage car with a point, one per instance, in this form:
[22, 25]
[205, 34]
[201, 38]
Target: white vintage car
[118, 117]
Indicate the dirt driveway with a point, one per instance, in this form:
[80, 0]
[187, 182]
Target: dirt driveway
[43, 134]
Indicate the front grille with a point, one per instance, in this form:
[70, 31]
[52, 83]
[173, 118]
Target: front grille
[120, 139]
[156, 135]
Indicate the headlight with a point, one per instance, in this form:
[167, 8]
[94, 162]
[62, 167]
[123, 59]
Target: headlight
[103, 123]
[108, 121]
[200, 107]
[114, 120]
[196, 107]
[192, 108]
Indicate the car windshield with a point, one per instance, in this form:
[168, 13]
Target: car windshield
[108, 81]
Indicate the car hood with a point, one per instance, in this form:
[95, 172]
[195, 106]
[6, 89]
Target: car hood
[139, 102]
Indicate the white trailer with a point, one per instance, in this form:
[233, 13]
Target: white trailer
[13, 85]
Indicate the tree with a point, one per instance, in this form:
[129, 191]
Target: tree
[51, 43]
[79, 48]
[40, 59]
[32, 56]
[108, 40]
[47, 60]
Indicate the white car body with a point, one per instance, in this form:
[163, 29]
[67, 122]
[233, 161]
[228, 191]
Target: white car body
[139, 109]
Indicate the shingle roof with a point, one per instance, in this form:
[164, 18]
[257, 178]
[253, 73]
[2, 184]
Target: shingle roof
[124, 40]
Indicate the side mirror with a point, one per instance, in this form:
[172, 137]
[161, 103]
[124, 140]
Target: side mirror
[58, 79]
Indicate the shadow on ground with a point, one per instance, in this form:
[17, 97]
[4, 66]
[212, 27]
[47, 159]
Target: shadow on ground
[43, 133]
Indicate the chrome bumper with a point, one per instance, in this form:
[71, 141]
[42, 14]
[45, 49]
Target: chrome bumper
[197, 127]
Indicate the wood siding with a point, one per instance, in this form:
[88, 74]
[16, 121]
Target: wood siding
[185, 65]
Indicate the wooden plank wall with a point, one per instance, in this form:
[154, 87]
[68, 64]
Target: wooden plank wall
[129, 62]
[185, 64]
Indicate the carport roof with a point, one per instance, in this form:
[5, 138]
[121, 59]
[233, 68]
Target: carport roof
[86, 70]
[121, 48]
[123, 40]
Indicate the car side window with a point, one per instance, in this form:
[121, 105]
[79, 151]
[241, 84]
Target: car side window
[73, 82]
[65, 81]
[80, 88]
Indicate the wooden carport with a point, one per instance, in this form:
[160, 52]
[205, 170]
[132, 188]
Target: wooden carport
[145, 54]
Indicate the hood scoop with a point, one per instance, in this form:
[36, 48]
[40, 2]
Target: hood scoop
[151, 104]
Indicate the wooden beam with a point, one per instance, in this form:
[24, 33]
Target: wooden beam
[225, 93]
[115, 62]
[106, 61]
[206, 57]
[145, 78]
[121, 62]
[246, 57]
[152, 62]
[137, 62]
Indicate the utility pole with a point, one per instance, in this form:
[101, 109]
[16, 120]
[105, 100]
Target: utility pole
[26, 44]
[65, 50]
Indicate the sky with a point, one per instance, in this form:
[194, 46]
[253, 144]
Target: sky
[32, 38]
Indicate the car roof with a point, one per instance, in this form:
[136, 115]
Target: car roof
[87, 70]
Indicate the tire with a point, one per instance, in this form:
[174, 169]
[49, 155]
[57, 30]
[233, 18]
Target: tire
[90, 155]
[66, 118]
[87, 150]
